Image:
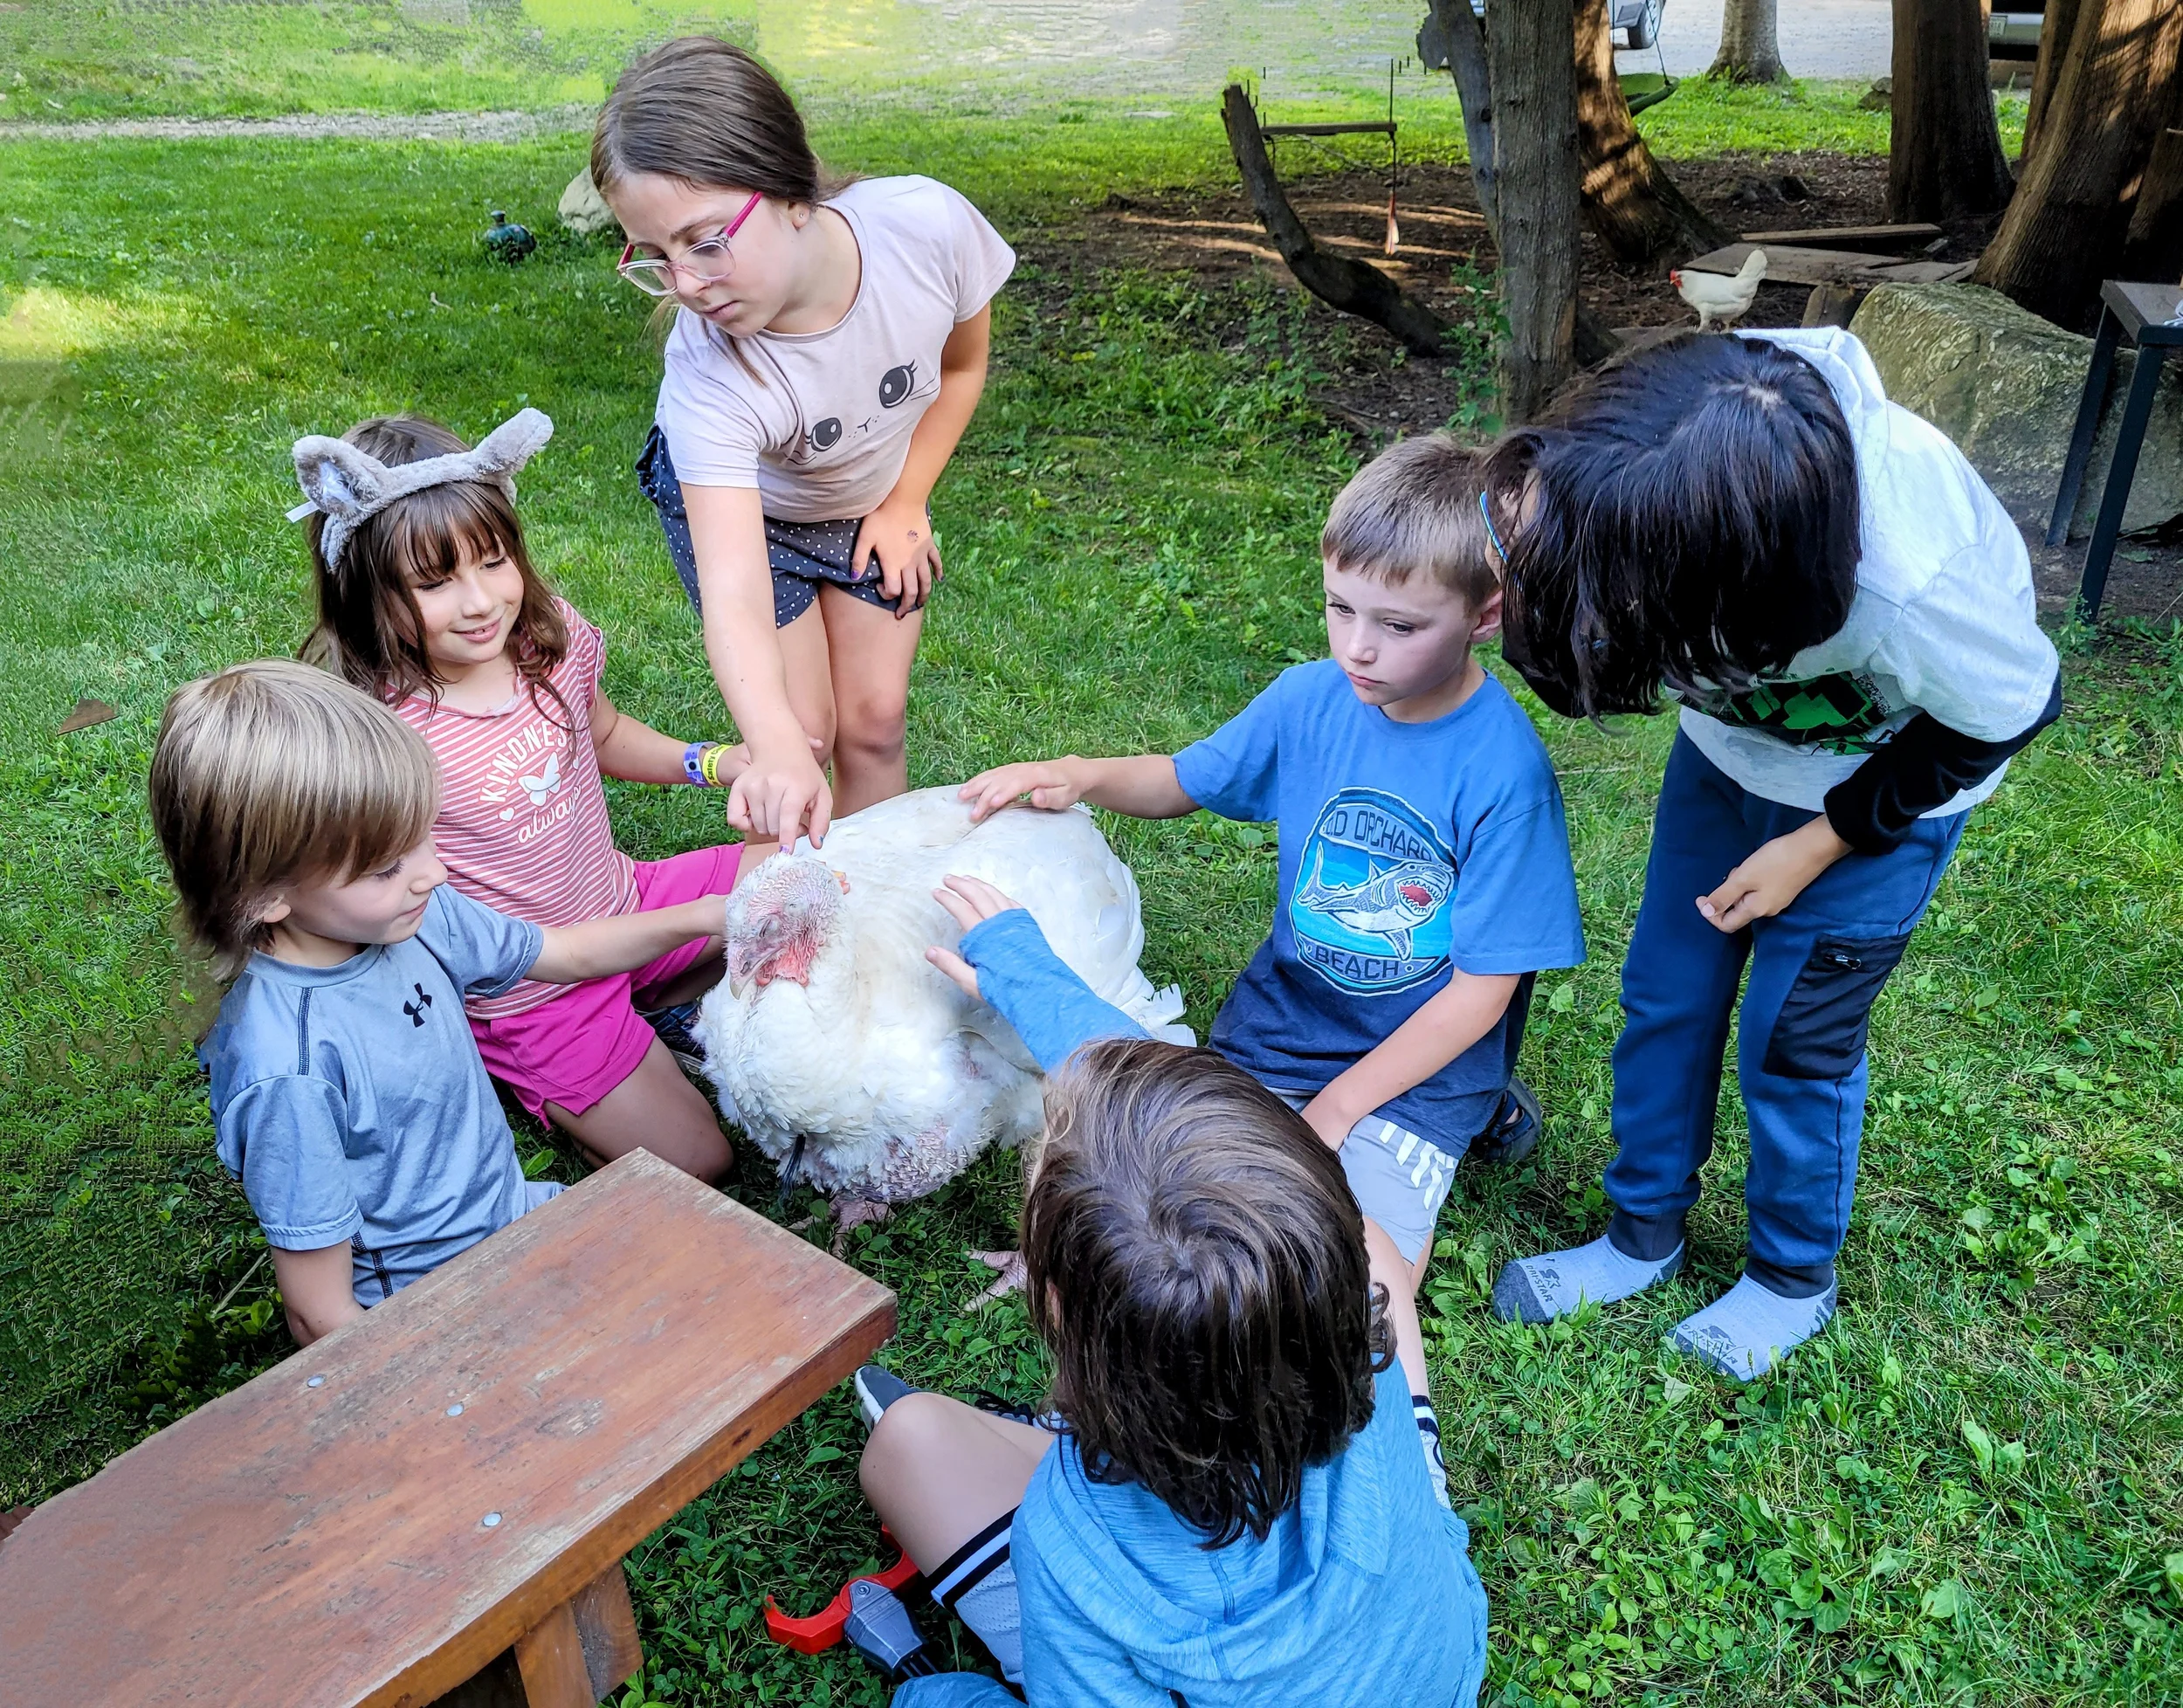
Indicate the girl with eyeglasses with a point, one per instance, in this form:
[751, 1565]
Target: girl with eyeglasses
[829, 348]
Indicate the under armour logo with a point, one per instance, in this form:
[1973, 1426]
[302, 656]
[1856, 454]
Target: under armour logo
[415, 1010]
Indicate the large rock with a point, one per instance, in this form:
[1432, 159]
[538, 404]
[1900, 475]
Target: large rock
[2004, 385]
[583, 211]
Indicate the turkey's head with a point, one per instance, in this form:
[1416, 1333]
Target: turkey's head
[780, 918]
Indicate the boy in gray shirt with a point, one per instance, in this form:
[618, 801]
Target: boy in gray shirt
[346, 1090]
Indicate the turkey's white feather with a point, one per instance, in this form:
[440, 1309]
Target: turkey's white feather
[889, 1076]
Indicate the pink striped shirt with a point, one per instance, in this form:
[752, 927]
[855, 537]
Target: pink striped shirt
[522, 819]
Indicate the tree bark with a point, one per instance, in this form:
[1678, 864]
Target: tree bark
[2114, 93]
[1465, 38]
[2153, 250]
[1355, 287]
[1945, 159]
[1532, 51]
[1750, 49]
[1465, 45]
[2053, 48]
[1629, 202]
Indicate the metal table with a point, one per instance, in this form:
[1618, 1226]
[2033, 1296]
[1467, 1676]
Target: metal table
[2151, 317]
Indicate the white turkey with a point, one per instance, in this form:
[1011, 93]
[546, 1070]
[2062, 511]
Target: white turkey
[852, 1061]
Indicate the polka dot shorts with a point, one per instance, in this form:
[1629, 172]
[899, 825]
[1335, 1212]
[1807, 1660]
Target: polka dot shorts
[801, 555]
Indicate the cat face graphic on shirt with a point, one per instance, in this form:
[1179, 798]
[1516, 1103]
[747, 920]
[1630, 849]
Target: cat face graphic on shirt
[904, 382]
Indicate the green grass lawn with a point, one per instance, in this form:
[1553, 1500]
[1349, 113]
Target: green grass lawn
[1967, 1490]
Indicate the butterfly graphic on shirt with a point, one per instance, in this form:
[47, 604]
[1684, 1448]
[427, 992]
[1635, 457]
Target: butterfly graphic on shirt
[540, 788]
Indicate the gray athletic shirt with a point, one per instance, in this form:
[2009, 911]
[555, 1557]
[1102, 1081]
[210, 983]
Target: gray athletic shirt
[351, 1103]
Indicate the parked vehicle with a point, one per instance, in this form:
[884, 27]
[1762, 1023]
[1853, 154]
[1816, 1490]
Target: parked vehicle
[2014, 34]
[1638, 20]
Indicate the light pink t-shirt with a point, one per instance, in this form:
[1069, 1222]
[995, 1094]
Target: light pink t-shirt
[522, 821]
[825, 437]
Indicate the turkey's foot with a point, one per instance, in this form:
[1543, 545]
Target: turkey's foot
[1009, 1280]
[851, 1213]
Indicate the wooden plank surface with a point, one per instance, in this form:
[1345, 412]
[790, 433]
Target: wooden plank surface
[1376, 127]
[2146, 310]
[1850, 236]
[1787, 265]
[475, 1451]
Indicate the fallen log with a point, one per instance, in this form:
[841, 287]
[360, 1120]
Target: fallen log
[1355, 287]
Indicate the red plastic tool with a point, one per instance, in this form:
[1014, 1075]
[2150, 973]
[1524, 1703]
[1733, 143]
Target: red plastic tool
[823, 1628]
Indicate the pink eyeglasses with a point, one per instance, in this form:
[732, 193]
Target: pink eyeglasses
[654, 274]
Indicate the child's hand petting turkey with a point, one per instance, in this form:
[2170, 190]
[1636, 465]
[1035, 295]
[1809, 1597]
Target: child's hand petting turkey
[971, 901]
[1051, 785]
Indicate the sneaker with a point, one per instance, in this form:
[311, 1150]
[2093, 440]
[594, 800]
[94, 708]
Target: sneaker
[876, 1390]
[995, 1405]
[673, 1026]
[1513, 1133]
[879, 1628]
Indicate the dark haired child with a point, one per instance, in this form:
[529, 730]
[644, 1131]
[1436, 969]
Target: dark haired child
[429, 602]
[347, 1095]
[1843, 614]
[1424, 874]
[829, 348]
[1223, 1506]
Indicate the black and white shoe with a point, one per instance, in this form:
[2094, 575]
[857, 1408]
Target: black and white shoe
[1513, 1133]
[876, 1389]
[879, 1628]
[672, 1025]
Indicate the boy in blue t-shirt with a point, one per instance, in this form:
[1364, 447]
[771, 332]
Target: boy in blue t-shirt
[347, 1094]
[1425, 874]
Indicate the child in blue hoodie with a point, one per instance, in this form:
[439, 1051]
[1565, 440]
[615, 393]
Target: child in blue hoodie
[1226, 1503]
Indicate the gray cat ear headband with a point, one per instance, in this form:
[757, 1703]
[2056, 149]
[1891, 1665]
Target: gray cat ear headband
[348, 486]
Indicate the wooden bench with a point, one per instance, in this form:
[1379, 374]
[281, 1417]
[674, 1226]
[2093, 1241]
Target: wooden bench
[433, 1504]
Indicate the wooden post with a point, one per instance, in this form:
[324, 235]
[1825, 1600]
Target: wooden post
[606, 1624]
[1831, 304]
[1532, 52]
[575, 1657]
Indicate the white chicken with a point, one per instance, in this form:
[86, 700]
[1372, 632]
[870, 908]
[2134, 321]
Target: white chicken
[852, 1061]
[1718, 298]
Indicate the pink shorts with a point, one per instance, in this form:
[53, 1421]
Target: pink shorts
[575, 1049]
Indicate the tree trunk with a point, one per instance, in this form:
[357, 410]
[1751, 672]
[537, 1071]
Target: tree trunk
[1945, 159]
[1749, 51]
[2053, 48]
[1465, 39]
[1633, 206]
[2114, 93]
[2154, 251]
[1355, 287]
[1532, 51]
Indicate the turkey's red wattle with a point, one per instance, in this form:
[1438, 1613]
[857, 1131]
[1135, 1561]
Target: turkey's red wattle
[793, 962]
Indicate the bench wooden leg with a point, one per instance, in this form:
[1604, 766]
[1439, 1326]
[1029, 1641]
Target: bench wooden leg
[572, 1658]
[606, 1625]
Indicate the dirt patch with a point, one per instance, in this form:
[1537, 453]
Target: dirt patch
[1447, 260]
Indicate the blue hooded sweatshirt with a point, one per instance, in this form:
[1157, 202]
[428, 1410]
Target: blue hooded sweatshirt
[1362, 1595]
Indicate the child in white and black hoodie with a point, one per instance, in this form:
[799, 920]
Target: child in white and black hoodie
[1844, 614]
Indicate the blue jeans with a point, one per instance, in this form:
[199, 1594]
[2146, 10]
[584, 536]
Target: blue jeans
[1815, 970]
